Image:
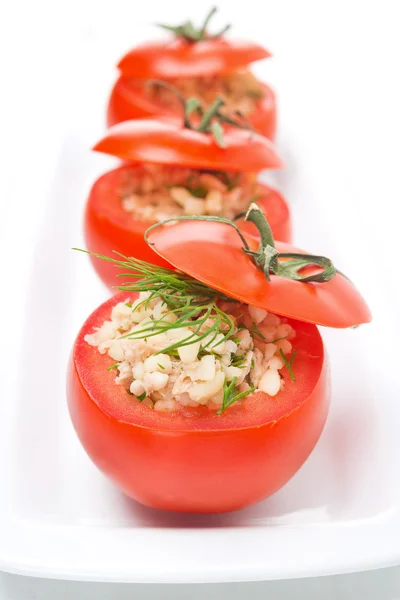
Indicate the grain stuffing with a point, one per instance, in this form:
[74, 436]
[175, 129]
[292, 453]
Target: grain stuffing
[240, 91]
[165, 361]
[156, 192]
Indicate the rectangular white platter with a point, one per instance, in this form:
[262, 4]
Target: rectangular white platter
[59, 517]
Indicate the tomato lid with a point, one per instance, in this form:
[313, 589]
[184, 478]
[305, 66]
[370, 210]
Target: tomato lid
[168, 142]
[279, 278]
[191, 53]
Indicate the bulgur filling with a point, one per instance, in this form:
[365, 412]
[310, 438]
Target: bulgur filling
[154, 192]
[240, 90]
[194, 349]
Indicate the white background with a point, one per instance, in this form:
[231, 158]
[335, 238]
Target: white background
[338, 63]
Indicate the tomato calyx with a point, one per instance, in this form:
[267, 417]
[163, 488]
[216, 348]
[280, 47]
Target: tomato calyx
[211, 119]
[188, 31]
[295, 266]
[267, 257]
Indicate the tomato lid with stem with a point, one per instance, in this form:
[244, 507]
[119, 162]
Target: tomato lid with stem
[276, 277]
[192, 52]
[207, 139]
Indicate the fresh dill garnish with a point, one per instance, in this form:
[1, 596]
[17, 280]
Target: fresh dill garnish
[289, 363]
[141, 397]
[279, 339]
[113, 367]
[198, 191]
[128, 304]
[256, 331]
[161, 366]
[238, 360]
[190, 304]
[230, 397]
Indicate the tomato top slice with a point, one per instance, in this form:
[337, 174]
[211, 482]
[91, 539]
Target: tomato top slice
[168, 142]
[213, 253]
[179, 58]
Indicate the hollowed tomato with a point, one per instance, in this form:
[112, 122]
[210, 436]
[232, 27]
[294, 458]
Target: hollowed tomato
[175, 59]
[108, 227]
[129, 101]
[197, 461]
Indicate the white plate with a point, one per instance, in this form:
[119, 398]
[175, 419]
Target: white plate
[58, 516]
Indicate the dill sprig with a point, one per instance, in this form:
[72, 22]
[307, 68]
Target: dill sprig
[190, 304]
[289, 363]
[113, 367]
[230, 397]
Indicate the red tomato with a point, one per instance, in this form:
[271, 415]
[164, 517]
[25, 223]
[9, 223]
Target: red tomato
[129, 101]
[109, 227]
[168, 142]
[213, 254]
[179, 58]
[197, 461]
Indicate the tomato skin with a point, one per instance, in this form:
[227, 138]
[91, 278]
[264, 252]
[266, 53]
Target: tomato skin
[166, 141]
[203, 471]
[108, 227]
[126, 103]
[213, 254]
[177, 57]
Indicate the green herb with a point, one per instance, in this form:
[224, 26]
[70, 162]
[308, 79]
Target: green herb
[279, 339]
[211, 119]
[218, 133]
[141, 397]
[113, 367]
[192, 35]
[289, 363]
[238, 360]
[192, 303]
[252, 363]
[230, 397]
[161, 366]
[256, 331]
[200, 191]
[173, 353]
[129, 304]
[203, 352]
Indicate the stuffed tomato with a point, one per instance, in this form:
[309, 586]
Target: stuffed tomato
[173, 169]
[206, 388]
[199, 64]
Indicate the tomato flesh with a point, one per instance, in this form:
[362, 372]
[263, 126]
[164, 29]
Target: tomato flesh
[195, 460]
[127, 102]
[109, 227]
